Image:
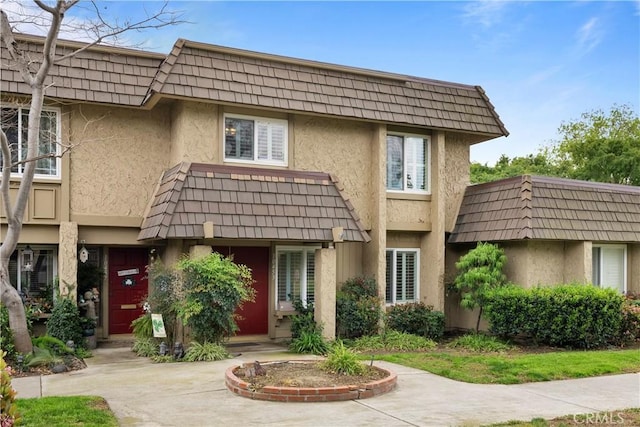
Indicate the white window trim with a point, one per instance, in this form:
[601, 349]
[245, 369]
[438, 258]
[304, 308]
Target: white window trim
[427, 161]
[624, 263]
[416, 297]
[54, 267]
[58, 141]
[286, 305]
[255, 161]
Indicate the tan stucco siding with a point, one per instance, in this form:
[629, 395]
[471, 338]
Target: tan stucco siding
[456, 175]
[409, 214]
[348, 261]
[404, 240]
[341, 148]
[119, 159]
[577, 262]
[195, 133]
[633, 268]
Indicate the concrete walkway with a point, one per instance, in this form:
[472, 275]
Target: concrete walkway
[142, 393]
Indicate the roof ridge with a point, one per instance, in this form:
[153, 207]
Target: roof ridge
[586, 184]
[164, 70]
[492, 110]
[526, 218]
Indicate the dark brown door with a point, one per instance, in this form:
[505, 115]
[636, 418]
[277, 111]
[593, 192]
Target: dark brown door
[254, 315]
[128, 287]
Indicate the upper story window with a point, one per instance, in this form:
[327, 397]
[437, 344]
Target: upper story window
[402, 275]
[408, 163]
[15, 122]
[609, 266]
[255, 139]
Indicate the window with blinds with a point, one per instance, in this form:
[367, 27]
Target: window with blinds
[295, 276]
[35, 279]
[407, 163]
[256, 140]
[402, 273]
[609, 266]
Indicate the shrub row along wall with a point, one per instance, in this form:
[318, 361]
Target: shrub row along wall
[576, 316]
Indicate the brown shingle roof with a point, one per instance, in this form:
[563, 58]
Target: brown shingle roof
[100, 74]
[249, 203]
[243, 77]
[534, 207]
[233, 76]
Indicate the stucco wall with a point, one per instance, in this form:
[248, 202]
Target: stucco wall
[348, 261]
[456, 177]
[633, 267]
[119, 159]
[399, 239]
[195, 133]
[341, 148]
[577, 262]
[408, 211]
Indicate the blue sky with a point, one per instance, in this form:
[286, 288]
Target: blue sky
[540, 62]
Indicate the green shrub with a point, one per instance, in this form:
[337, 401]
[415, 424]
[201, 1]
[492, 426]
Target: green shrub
[213, 287]
[8, 410]
[54, 345]
[417, 319]
[164, 292]
[309, 342]
[575, 316]
[342, 360]
[629, 333]
[304, 320]
[393, 340]
[480, 343]
[64, 322]
[6, 335]
[167, 358]
[358, 308]
[205, 352]
[145, 347]
[43, 357]
[142, 327]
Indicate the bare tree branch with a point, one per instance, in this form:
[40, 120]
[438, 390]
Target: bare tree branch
[14, 51]
[6, 175]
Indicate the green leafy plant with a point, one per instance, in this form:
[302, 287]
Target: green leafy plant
[53, 344]
[83, 353]
[417, 319]
[142, 327]
[479, 342]
[629, 333]
[213, 287]
[64, 322]
[575, 316]
[6, 335]
[309, 342]
[393, 340]
[205, 352]
[358, 308]
[8, 410]
[342, 360]
[164, 293]
[145, 347]
[43, 357]
[480, 270]
[167, 358]
[304, 320]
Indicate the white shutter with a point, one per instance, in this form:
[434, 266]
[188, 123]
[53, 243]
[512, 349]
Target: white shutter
[278, 135]
[262, 136]
[613, 268]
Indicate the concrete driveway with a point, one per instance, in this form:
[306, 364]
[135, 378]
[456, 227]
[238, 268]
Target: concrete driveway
[142, 393]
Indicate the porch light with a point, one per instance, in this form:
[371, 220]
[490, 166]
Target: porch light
[27, 259]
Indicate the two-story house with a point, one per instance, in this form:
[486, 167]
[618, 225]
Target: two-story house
[308, 173]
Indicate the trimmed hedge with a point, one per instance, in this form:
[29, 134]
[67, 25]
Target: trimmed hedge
[417, 319]
[576, 316]
[358, 308]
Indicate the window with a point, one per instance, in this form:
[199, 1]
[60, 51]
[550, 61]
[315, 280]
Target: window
[609, 266]
[295, 272]
[15, 122]
[407, 163]
[35, 279]
[402, 275]
[256, 140]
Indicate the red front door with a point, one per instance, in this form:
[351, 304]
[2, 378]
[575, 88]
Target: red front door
[128, 287]
[254, 315]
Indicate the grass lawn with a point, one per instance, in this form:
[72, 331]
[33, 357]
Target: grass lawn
[65, 411]
[515, 367]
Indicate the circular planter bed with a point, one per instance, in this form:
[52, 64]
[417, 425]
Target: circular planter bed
[303, 381]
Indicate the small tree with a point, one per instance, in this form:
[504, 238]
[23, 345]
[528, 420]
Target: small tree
[211, 289]
[479, 271]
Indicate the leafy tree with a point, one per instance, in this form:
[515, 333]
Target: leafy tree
[480, 270]
[601, 146]
[35, 70]
[538, 164]
[212, 288]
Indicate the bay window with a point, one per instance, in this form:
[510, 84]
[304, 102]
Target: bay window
[15, 123]
[256, 140]
[408, 163]
[402, 275]
[295, 271]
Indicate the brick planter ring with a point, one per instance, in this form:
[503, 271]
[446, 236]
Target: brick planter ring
[310, 394]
